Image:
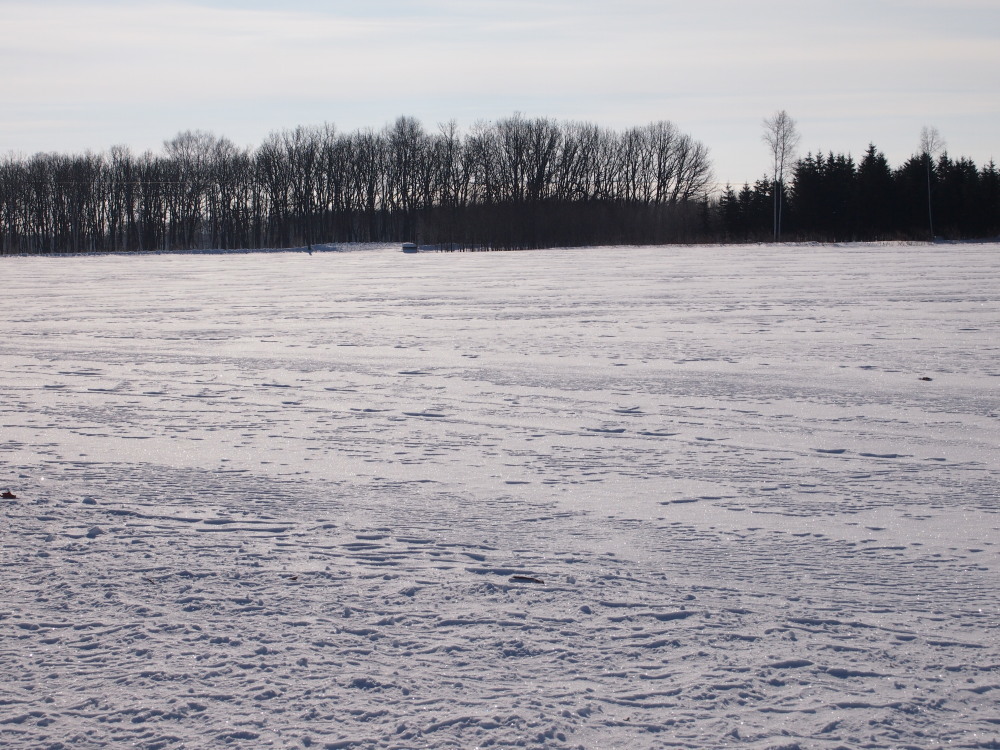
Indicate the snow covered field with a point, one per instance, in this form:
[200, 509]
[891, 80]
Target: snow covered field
[602, 498]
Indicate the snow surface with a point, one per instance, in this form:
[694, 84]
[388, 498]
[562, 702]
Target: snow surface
[695, 497]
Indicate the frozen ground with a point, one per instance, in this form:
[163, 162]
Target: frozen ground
[606, 498]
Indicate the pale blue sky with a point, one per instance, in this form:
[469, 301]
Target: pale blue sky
[89, 75]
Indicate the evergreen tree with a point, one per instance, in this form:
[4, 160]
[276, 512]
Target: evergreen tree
[910, 180]
[988, 201]
[959, 186]
[840, 179]
[876, 197]
[807, 196]
[729, 214]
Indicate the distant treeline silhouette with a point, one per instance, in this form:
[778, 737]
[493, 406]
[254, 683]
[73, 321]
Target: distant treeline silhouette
[513, 183]
[832, 198]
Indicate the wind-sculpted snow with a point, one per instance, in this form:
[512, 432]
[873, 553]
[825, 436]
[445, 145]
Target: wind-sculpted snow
[604, 498]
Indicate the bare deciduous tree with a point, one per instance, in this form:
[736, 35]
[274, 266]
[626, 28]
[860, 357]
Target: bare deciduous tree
[513, 183]
[931, 143]
[782, 139]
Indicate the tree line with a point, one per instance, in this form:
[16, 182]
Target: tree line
[513, 183]
[833, 198]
